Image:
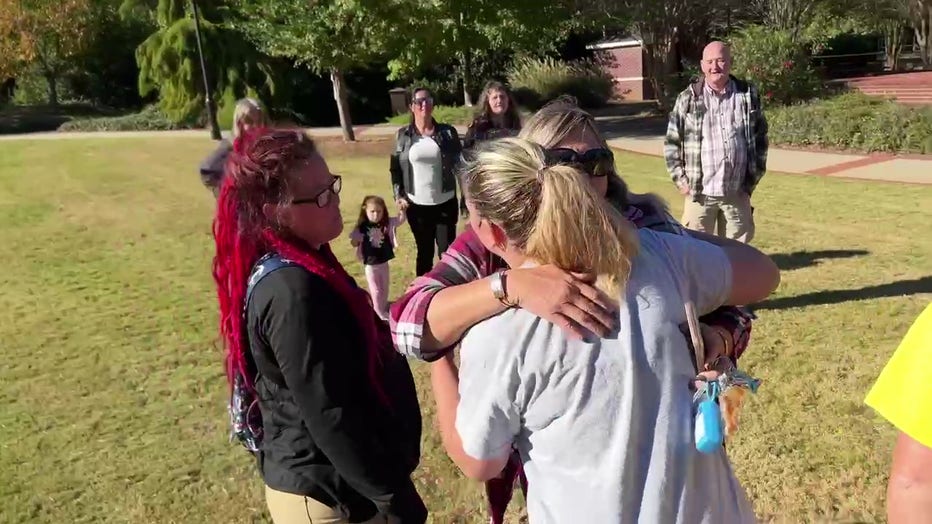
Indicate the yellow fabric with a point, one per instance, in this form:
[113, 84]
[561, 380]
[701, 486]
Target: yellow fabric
[903, 392]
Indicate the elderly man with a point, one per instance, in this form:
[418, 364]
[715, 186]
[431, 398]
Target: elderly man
[716, 148]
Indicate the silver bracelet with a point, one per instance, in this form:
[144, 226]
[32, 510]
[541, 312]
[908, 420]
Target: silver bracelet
[499, 289]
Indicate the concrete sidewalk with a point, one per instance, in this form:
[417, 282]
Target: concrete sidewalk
[377, 130]
[913, 169]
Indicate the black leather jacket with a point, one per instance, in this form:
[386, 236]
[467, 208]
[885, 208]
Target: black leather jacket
[446, 137]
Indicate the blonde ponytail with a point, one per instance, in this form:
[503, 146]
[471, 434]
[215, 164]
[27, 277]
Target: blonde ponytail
[578, 231]
[552, 213]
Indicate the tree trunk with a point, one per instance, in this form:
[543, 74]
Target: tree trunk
[339, 95]
[52, 82]
[467, 78]
[922, 29]
[893, 45]
[661, 70]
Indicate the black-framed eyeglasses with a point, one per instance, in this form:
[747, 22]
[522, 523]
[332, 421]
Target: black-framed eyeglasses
[597, 162]
[426, 100]
[322, 199]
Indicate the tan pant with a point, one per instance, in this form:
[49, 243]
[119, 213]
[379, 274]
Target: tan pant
[288, 508]
[731, 217]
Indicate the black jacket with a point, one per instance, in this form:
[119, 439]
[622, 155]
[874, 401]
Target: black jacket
[482, 129]
[326, 435]
[446, 137]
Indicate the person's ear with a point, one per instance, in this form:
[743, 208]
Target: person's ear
[498, 235]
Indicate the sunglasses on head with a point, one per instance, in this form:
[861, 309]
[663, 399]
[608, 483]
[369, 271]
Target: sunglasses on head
[597, 162]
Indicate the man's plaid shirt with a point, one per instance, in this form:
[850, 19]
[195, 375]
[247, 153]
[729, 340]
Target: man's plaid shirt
[684, 142]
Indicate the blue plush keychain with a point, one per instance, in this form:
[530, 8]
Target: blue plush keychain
[708, 430]
[718, 406]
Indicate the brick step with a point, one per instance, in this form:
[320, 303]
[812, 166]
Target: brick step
[888, 83]
[919, 96]
[898, 94]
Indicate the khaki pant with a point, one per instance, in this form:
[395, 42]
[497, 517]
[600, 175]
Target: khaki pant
[731, 217]
[288, 508]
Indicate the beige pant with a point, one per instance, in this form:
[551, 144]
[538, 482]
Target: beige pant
[731, 217]
[288, 508]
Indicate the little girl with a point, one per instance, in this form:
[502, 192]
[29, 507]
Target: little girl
[375, 243]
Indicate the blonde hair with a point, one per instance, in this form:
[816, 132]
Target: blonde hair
[243, 113]
[562, 118]
[556, 121]
[551, 213]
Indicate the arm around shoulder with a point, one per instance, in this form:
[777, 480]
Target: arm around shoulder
[754, 275]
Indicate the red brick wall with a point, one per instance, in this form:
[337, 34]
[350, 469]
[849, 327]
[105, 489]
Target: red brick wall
[626, 66]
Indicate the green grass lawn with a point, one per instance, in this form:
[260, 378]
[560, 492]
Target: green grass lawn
[112, 396]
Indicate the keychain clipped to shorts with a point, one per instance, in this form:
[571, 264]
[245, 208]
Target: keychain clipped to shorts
[719, 401]
[708, 429]
[717, 407]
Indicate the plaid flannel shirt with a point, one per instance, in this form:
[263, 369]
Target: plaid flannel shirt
[683, 143]
[467, 260]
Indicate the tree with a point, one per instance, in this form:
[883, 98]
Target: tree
[669, 30]
[44, 33]
[892, 19]
[787, 15]
[168, 59]
[920, 14]
[327, 36]
[459, 30]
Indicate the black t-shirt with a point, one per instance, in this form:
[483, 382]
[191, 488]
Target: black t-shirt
[376, 244]
[326, 434]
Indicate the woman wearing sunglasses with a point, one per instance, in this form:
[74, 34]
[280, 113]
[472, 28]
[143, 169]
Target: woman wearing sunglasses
[470, 284]
[423, 179]
[604, 426]
[340, 424]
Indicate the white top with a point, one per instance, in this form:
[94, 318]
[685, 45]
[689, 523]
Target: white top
[605, 428]
[427, 173]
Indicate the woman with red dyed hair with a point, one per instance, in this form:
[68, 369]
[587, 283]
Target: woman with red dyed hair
[340, 418]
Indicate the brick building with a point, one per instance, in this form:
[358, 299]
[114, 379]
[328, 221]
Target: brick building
[623, 59]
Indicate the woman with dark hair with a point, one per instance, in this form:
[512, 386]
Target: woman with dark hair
[423, 175]
[497, 116]
[340, 417]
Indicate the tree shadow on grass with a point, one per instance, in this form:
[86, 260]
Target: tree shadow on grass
[801, 259]
[838, 296]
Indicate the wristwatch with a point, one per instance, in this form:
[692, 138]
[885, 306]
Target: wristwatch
[499, 288]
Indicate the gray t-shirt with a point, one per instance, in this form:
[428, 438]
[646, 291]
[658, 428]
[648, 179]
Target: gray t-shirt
[605, 428]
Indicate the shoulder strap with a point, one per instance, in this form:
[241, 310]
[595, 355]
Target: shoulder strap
[266, 265]
[692, 319]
